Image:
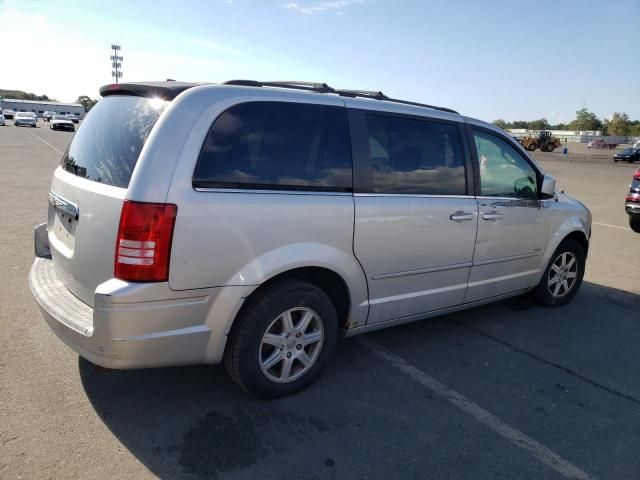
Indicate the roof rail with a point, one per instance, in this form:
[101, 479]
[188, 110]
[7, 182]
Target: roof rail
[324, 88]
[308, 86]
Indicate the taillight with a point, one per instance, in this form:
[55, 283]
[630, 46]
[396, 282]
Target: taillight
[636, 176]
[143, 246]
[633, 197]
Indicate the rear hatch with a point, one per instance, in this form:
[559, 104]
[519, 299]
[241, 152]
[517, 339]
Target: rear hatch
[88, 190]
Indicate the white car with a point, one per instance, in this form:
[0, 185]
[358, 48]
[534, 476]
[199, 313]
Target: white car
[25, 118]
[2, 122]
[252, 223]
[61, 122]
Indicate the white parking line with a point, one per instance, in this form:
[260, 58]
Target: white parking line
[612, 226]
[45, 142]
[542, 453]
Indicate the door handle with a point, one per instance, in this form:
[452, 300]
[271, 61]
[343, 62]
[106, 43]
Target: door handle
[492, 216]
[461, 216]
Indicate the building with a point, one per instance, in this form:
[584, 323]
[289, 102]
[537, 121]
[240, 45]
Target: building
[40, 106]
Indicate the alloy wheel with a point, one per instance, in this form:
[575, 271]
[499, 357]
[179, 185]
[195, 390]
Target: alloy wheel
[291, 345]
[563, 274]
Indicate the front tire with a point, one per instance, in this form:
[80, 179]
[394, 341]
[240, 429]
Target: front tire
[563, 276]
[282, 340]
[634, 223]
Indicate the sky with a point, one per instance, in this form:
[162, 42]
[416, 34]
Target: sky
[487, 59]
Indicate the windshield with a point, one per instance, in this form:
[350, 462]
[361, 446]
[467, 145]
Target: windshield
[107, 145]
[25, 114]
[60, 117]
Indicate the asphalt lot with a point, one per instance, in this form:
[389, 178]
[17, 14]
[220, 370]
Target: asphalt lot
[509, 390]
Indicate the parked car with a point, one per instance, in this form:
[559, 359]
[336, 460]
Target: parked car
[73, 117]
[632, 202]
[61, 122]
[25, 119]
[8, 113]
[48, 115]
[636, 145]
[627, 155]
[598, 144]
[2, 120]
[259, 222]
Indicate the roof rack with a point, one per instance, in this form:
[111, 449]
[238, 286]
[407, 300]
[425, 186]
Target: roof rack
[324, 88]
[308, 86]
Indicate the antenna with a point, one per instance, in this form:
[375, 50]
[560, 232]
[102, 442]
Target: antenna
[115, 62]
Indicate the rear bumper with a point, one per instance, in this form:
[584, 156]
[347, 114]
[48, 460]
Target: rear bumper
[137, 325]
[63, 127]
[632, 208]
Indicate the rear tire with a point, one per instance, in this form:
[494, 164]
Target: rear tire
[563, 276]
[634, 223]
[268, 359]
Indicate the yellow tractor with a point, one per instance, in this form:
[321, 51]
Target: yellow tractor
[544, 141]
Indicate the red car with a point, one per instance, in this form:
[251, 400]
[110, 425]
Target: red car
[632, 202]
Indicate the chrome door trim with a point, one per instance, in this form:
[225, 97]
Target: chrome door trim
[63, 205]
[272, 192]
[406, 273]
[422, 293]
[507, 259]
[502, 278]
[413, 195]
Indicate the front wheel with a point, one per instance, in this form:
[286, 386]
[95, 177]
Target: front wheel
[282, 340]
[634, 222]
[563, 276]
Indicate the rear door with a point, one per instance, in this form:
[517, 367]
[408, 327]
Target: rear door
[88, 189]
[416, 215]
[512, 230]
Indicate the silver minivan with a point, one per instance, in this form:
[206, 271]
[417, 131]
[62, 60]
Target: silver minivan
[255, 222]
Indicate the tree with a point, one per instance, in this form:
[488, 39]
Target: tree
[541, 124]
[585, 120]
[86, 102]
[619, 124]
[500, 123]
[520, 124]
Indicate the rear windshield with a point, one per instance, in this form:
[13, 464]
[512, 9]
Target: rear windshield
[107, 145]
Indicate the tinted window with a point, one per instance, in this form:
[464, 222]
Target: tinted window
[106, 147]
[277, 145]
[503, 170]
[415, 156]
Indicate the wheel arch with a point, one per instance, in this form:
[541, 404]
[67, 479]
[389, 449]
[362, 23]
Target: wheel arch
[580, 237]
[572, 228]
[327, 280]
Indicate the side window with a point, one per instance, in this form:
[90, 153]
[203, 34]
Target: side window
[503, 170]
[277, 145]
[411, 156]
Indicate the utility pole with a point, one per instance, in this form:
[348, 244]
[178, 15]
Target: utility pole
[115, 62]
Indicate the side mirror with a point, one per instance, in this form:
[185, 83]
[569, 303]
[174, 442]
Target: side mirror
[548, 187]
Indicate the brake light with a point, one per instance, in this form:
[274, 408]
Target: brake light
[143, 245]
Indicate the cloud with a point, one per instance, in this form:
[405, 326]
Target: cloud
[310, 8]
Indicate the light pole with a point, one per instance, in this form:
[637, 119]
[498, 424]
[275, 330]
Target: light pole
[115, 62]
